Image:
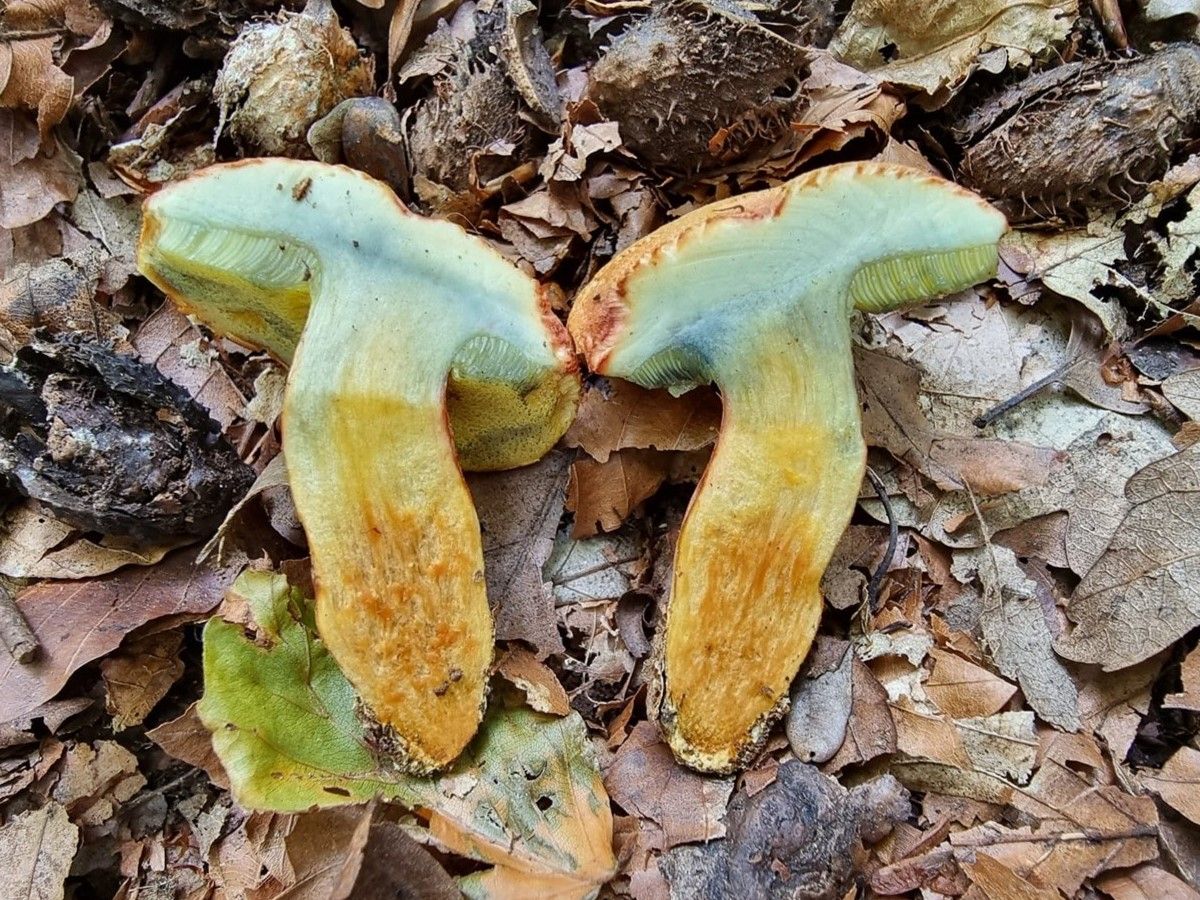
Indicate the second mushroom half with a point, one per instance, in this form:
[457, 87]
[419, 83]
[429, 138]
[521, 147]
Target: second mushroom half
[398, 302]
[755, 294]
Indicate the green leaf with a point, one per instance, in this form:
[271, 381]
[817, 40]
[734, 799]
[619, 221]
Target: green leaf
[525, 797]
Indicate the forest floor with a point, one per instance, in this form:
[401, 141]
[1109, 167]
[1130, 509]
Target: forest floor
[1004, 697]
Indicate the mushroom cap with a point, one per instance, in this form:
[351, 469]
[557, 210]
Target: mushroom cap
[246, 269]
[880, 236]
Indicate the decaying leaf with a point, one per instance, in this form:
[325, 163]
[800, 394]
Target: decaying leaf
[526, 797]
[1178, 782]
[36, 848]
[934, 47]
[1015, 629]
[140, 675]
[518, 513]
[620, 415]
[680, 806]
[78, 621]
[1144, 591]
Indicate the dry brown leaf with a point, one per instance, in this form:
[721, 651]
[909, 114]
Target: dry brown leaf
[1014, 623]
[76, 622]
[964, 690]
[1144, 592]
[36, 849]
[619, 415]
[542, 688]
[644, 779]
[871, 732]
[927, 736]
[934, 47]
[1083, 828]
[34, 544]
[1189, 674]
[998, 882]
[139, 675]
[33, 178]
[894, 420]
[1145, 882]
[602, 495]
[58, 295]
[519, 513]
[94, 780]
[186, 739]
[1178, 782]
[1183, 390]
[176, 347]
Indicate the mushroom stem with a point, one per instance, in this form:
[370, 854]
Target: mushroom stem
[755, 294]
[393, 307]
[780, 488]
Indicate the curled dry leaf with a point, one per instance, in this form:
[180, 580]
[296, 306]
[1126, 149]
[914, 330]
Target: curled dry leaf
[525, 797]
[936, 46]
[140, 675]
[1143, 593]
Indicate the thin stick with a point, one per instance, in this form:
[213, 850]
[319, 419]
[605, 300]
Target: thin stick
[987, 418]
[15, 632]
[876, 581]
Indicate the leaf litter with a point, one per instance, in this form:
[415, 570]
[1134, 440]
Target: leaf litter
[1004, 700]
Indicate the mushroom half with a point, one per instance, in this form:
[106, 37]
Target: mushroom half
[390, 304]
[755, 294]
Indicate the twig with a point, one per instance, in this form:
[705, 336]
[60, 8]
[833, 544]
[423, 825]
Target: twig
[15, 632]
[881, 570]
[987, 418]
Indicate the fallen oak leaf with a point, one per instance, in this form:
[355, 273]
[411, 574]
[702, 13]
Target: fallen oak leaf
[1178, 782]
[602, 495]
[620, 416]
[936, 47]
[78, 621]
[1144, 591]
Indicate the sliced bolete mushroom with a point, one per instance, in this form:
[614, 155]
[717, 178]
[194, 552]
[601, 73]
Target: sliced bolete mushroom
[397, 302]
[496, 424]
[755, 294]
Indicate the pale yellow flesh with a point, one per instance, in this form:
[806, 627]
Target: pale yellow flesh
[397, 302]
[755, 294]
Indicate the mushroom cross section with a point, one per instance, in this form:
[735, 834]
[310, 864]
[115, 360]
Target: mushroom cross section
[394, 303]
[755, 294]
[496, 424]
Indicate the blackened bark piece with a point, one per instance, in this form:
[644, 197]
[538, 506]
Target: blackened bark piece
[110, 445]
[1088, 135]
[698, 84]
[798, 838]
